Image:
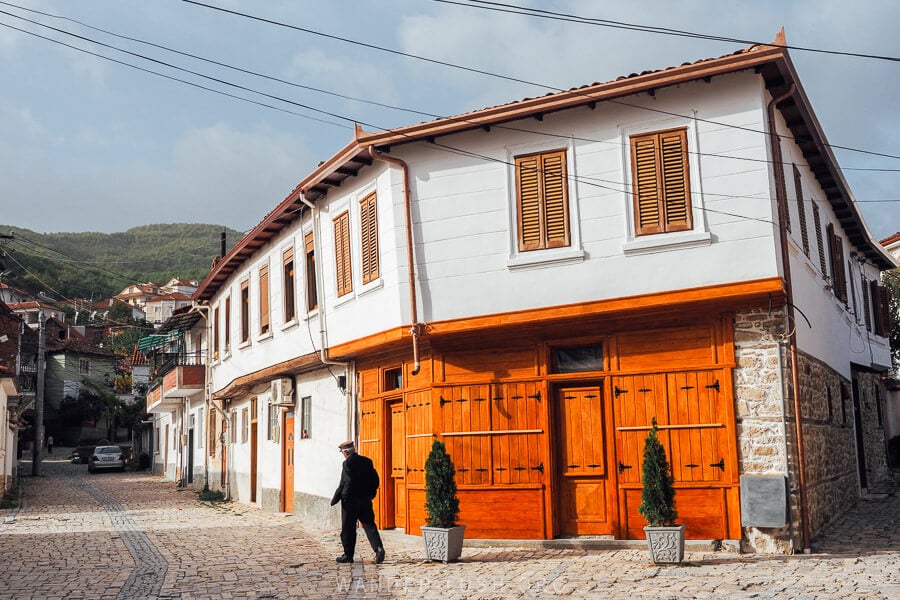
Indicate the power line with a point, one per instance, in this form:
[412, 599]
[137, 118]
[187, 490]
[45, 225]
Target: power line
[498, 75]
[339, 116]
[559, 16]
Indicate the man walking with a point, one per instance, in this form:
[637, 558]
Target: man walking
[358, 486]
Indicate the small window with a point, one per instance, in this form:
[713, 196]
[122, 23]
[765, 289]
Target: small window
[578, 359]
[820, 241]
[200, 421]
[227, 324]
[216, 337]
[245, 426]
[84, 366]
[393, 379]
[273, 433]
[306, 417]
[661, 186]
[232, 428]
[801, 210]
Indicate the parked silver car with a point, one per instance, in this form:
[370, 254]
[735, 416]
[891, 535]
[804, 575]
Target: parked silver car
[106, 457]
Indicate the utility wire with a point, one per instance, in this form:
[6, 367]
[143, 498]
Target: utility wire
[559, 16]
[498, 75]
[323, 91]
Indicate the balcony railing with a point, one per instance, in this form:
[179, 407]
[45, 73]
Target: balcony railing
[166, 362]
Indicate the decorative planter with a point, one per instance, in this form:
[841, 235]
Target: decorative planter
[443, 544]
[666, 544]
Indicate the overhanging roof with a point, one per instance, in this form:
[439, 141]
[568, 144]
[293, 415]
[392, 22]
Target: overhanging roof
[770, 61]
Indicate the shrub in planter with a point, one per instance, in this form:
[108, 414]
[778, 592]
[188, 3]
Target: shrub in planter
[665, 539]
[443, 537]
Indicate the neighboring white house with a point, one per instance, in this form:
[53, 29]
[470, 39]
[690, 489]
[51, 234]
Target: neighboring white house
[159, 308]
[31, 311]
[182, 286]
[533, 283]
[9, 429]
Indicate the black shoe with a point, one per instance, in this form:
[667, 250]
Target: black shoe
[343, 558]
[379, 556]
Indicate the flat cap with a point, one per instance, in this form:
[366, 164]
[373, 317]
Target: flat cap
[347, 445]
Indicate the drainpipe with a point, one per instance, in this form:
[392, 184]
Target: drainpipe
[350, 387]
[416, 328]
[789, 296]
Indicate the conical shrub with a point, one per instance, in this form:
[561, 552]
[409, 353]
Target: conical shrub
[441, 503]
[658, 495]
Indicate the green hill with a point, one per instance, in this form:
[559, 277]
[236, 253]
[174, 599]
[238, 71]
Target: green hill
[98, 265]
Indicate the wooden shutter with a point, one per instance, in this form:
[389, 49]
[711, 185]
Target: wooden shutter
[368, 233]
[343, 271]
[801, 210]
[867, 306]
[228, 323]
[820, 243]
[264, 299]
[662, 197]
[542, 200]
[838, 278]
[881, 309]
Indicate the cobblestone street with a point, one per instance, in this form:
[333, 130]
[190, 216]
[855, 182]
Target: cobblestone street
[130, 535]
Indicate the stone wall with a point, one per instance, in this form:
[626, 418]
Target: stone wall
[871, 405]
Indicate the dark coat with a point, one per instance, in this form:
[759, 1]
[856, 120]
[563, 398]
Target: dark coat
[359, 479]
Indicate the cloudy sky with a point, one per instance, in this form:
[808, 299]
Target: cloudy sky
[88, 144]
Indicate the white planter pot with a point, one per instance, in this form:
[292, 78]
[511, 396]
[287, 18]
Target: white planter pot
[443, 544]
[666, 544]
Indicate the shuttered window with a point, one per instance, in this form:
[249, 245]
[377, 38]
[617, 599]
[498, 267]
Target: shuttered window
[838, 277]
[881, 309]
[368, 235]
[216, 334]
[542, 200]
[312, 302]
[264, 299]
[287, 278]
[820, 242]
[662, 195]
[245, 311]
[801, 211]
[343, 272]
[228, 324]
[867, 306]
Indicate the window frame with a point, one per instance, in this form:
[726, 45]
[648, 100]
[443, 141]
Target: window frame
[227, 325]
[663, 224]
[306, 417]
[309, 251]
[245, 311]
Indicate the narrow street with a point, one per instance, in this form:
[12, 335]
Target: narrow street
[130, 535]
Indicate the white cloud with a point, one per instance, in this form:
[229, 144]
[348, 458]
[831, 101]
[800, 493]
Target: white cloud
[342, 74]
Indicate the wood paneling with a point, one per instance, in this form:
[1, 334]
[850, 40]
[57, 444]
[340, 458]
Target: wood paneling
[677, 347]
[492, 363]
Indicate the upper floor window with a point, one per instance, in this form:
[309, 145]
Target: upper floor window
[245, 311]
[287, 262]
[216, 337]
[227, 323]
[84, 366]
[368, 235]
[542, 203]
[264, 299]
[838, 276]
[801, 210]
[342, 267]
[312, 301]
[820, 242]
[660, 173]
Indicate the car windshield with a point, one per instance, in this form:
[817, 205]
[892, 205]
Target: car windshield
[108, 450]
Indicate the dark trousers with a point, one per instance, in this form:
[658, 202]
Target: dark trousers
[353, 510]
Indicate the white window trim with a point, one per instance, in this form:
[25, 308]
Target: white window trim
[661, 242]
[291, 322]
[356, 239]
[550, 256]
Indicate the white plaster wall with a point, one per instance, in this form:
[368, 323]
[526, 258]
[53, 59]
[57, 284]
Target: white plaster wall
[7, 435]
[836, 333]
[317, 460]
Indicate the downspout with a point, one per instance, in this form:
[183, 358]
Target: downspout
[789, 297]
[415, 329]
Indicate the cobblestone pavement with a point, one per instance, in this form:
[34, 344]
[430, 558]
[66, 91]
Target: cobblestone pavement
[131, 535]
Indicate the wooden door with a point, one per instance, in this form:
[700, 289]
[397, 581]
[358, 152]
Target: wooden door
[696, 427]
[582, 473]
[287, 462]
[398, 463]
